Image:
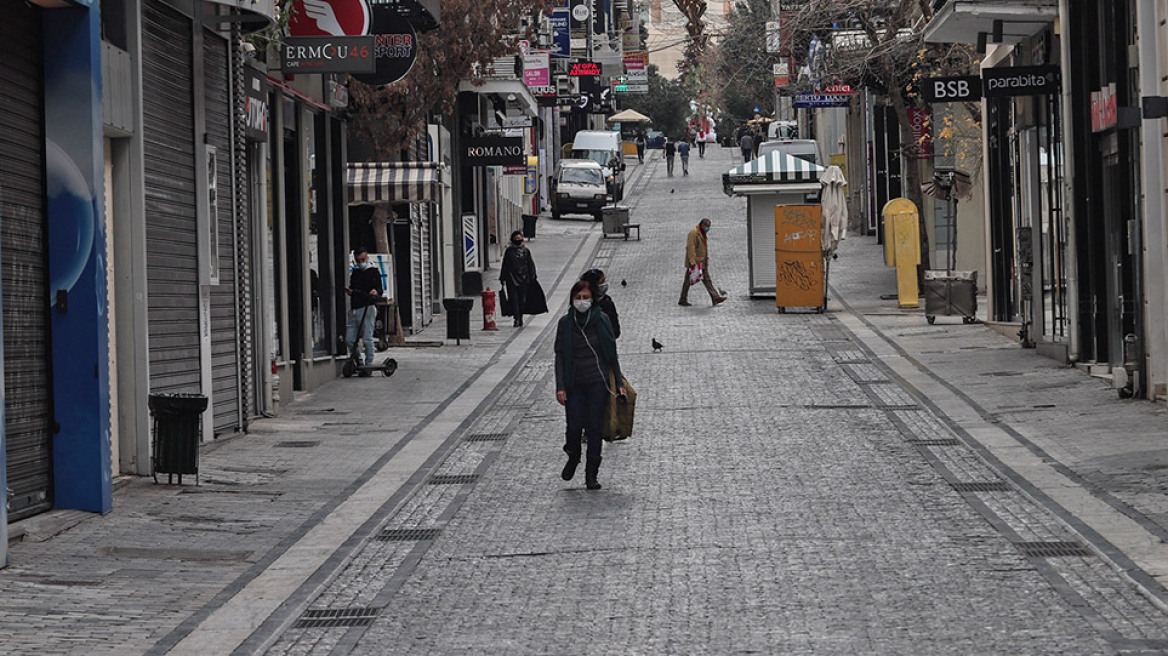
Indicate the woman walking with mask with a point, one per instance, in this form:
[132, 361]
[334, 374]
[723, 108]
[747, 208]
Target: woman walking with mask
[602, 299]
[585, 356]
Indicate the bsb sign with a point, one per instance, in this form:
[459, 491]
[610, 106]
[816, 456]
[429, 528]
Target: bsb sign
[493, 151]
[994, 83]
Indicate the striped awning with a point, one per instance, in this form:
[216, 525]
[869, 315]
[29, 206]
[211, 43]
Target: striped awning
[372, 183]
[774, 168]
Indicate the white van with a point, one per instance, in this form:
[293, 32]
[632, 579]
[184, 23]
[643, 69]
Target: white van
[807, 149]
[578, 187]
[604, 148]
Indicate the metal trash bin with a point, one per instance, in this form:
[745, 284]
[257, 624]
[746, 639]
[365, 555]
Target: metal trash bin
[177, 430]
[615, 218]
[949, 293]
[458, 317]
[529, 226]
[472, 282]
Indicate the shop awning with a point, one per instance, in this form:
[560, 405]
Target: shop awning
[961, 21]
[775, 171]
[515, 92]
[372, 183]
[629, 116]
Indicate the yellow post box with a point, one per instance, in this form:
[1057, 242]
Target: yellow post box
[902, 248]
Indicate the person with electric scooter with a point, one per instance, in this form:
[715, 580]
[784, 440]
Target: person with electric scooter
[364, 290]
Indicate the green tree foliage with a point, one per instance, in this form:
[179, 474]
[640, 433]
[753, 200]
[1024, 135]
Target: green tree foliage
[743, 69]
[667, 103]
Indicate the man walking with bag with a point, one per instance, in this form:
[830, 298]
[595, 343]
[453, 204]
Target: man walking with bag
[697, 264]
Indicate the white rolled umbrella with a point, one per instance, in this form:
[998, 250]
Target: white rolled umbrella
[833, 209]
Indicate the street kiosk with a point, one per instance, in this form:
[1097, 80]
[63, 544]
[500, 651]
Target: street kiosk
[782, 205]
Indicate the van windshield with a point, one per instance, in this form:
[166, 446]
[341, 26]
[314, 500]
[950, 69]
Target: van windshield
[766, 149]
[601, 157]
[581, 176]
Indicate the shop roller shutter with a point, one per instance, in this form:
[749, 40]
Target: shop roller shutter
[171, 237]
[224, 331]
[27, 370]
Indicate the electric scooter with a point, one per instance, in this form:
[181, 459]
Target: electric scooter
[353, 364]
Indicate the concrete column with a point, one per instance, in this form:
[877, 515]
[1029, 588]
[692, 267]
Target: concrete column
[1151, 44]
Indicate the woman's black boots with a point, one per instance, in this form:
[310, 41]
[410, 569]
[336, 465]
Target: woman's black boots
[591, 469]
[573, 461]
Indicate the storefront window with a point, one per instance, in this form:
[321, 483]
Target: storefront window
[313, 178]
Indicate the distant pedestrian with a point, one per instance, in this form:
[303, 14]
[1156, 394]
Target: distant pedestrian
[697, 264]
[670, 151]
[746, 144]
[683, 151]
[585, 358]
[701, 145]
[517, 273]
[602, 299]
[756, 142]
[363, 290]
[639, 140]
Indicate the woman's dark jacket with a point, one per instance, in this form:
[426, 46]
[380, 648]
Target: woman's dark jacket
[518, 268]
[609, 309]
[572, 353]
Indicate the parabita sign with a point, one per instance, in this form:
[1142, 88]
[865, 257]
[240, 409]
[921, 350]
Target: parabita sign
[493, 151]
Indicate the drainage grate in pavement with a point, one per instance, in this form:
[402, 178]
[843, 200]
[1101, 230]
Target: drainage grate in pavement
[1054, 549]
[858, 406]
[407, 534]
[327, 618]
[949, 441]
[983, 486]
[452, 479]
[486, 437]
[297, 444]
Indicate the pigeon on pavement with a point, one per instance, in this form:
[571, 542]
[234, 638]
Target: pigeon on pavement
[624, 283]
[657, 346]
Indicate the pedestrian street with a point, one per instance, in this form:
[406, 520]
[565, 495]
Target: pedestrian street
[783, 493]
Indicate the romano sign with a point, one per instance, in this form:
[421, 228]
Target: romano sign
[493, 151]
[1020, 81]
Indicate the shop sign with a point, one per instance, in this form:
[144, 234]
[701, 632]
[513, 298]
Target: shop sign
[536, 66]
[329, 18]
[782, 72]
[257, 111]
[922, 131]
[820, 100]
[1020, 81]
[327, 54]
[837, 90]
[516, 121]
[541, 91]
[395, 47]
[1104, 115]
[951, 89]
[561, 37]
[493, 151]
[584, 68]
[579, 13]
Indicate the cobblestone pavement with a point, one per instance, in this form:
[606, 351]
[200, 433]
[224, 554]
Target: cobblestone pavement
[784, 493]
[789, 490]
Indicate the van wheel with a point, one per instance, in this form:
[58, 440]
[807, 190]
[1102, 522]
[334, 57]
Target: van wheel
[599, 216]
[555, 215]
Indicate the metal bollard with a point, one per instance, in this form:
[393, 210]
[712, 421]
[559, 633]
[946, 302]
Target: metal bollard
[488, 295]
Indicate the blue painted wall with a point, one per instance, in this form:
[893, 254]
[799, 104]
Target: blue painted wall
[73, 149]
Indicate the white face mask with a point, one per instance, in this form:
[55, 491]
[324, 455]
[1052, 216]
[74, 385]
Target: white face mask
[364, 265]
[582, 305]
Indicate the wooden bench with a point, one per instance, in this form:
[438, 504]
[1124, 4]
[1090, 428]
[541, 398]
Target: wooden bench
[632, 226]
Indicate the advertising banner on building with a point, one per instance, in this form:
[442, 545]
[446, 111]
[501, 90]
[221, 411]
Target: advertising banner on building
[561, 36]
[579, 15]
[536, 70]
[922, 131]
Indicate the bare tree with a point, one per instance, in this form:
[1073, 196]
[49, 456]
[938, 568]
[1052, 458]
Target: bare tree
[879, 44]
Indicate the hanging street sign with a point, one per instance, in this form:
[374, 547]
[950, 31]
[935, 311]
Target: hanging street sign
[327, 54]
[1020, 81]
[820, 100]
[951, 89]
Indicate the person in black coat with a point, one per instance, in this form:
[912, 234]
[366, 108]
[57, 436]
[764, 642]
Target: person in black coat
[603, 300]
[517, 272]
[364, 289]
[585, 357]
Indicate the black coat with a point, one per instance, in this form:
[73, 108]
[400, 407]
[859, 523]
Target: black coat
[361, 282]
[609, 308]
[518, 268]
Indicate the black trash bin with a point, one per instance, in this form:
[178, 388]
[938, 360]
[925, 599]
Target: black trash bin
[458, 317]
[472, 282]
[529, 226]
[178, 427]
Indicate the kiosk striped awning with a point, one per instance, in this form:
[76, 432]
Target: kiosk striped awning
[773, 168]
[371, 183]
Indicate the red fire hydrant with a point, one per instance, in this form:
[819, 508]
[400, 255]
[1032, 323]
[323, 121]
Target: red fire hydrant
[489, 309]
